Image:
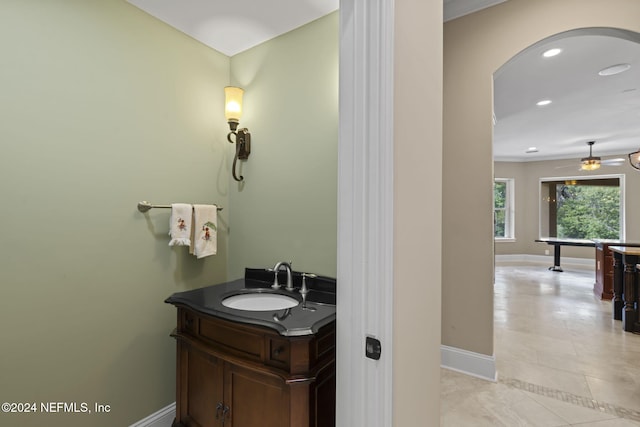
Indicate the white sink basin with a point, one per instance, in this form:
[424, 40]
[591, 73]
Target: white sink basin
[260, 301]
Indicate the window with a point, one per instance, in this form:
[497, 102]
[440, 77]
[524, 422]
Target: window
[503, 211]
[579, 208]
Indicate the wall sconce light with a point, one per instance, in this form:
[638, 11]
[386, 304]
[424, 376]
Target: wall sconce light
[233, 112]
[634, 159]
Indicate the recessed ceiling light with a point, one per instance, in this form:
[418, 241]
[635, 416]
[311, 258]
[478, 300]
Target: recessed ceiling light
[614, 69]
[532, 150]
[551, 52]
[543, 102]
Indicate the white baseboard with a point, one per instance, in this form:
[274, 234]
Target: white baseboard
[581, 263]
[162, 418]
[467, 362]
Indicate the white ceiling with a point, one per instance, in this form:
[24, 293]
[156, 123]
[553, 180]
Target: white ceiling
[585, 106]
[232, 26]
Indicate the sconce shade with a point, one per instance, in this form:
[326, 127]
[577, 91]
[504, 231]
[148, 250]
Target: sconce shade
[233, 103]
[233, 112]
[634, 159]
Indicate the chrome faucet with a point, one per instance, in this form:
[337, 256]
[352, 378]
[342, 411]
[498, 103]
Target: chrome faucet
[276, 269]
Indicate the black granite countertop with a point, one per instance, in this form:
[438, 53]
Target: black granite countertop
[317, 310]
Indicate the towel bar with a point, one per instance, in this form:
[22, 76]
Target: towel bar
[145, 206]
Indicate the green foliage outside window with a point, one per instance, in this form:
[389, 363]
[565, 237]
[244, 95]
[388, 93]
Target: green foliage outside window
[499, 212]
[588, 212]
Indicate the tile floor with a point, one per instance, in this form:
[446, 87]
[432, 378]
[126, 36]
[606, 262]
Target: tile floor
[561, 359]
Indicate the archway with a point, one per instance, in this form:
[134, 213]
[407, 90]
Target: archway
[585, 106]
[475, 47]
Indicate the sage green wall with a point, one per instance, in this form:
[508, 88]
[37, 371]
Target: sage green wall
[527, 177]
[286, 208]
[102, 106]
[475, 46]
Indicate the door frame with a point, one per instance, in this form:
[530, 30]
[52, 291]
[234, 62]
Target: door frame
[365, 213]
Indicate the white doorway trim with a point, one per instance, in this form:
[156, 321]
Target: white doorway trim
[365, 213]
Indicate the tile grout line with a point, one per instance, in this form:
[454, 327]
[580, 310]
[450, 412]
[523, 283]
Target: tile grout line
[571, 398]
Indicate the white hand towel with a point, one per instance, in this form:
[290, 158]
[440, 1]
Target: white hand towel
[204, 238]
[180, 224]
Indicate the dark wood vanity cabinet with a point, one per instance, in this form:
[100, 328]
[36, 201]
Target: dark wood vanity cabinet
[237, 375]
[214, 386]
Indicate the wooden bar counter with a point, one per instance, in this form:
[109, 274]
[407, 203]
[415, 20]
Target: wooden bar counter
[603, 285]
[625, 286]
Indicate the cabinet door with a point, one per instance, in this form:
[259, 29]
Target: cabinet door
[203, 390]
[256, 399]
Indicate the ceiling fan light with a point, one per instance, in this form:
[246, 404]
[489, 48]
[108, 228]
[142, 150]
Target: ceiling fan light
[634, 159]
[590, 164]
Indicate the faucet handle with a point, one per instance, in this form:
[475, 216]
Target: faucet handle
[275, 284]
[303, 289]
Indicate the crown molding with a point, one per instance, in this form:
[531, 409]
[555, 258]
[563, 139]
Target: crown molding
[456, 8]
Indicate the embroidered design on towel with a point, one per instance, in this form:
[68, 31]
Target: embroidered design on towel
[205, 228]
[204, 233]
[180, 224]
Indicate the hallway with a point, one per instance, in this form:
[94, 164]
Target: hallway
[561, 359]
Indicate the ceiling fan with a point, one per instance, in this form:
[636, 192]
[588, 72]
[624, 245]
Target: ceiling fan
[592, 162]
